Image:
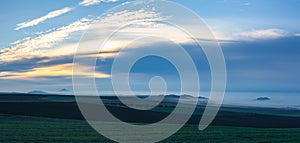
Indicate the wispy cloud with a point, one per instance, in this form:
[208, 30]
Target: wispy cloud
[54, 42]
[242, 30]
[254, 35]
[43, 18]
[262, 34]
[298, 35]
[20, 41]
[43, 43]
[93, 2]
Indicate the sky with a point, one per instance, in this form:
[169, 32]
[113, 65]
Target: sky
[260, 41]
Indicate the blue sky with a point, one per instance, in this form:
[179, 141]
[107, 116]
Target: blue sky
[260, 41]
[245, 15]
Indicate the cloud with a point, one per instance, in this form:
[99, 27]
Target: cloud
[61, 44]
[20, 41]
[22, 65]
[93, 2]
[264, 34]
[298, 35]
[60, 41]
[55, 42]
[43, 18]
[44, 43]
[62, 70]
[242, 30]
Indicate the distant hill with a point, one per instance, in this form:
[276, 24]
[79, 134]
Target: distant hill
[172, 96]
[187, 96]
[183, 96]
[201, 97]
[37, 92]
[64, 90]
[263, 99]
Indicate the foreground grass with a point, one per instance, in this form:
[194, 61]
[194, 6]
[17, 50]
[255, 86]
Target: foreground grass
[20, 129]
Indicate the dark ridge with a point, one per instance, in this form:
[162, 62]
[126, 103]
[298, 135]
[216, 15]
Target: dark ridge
[65, 107]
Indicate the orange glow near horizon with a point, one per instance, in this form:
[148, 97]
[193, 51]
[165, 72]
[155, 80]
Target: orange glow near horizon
[62, 70]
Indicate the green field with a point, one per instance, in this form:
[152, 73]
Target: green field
[20, 129]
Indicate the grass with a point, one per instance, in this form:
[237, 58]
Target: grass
[18, 129]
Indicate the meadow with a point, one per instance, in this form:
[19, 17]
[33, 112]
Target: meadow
[16, 129]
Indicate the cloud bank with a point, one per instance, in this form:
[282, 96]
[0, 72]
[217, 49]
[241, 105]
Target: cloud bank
[59, 43]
